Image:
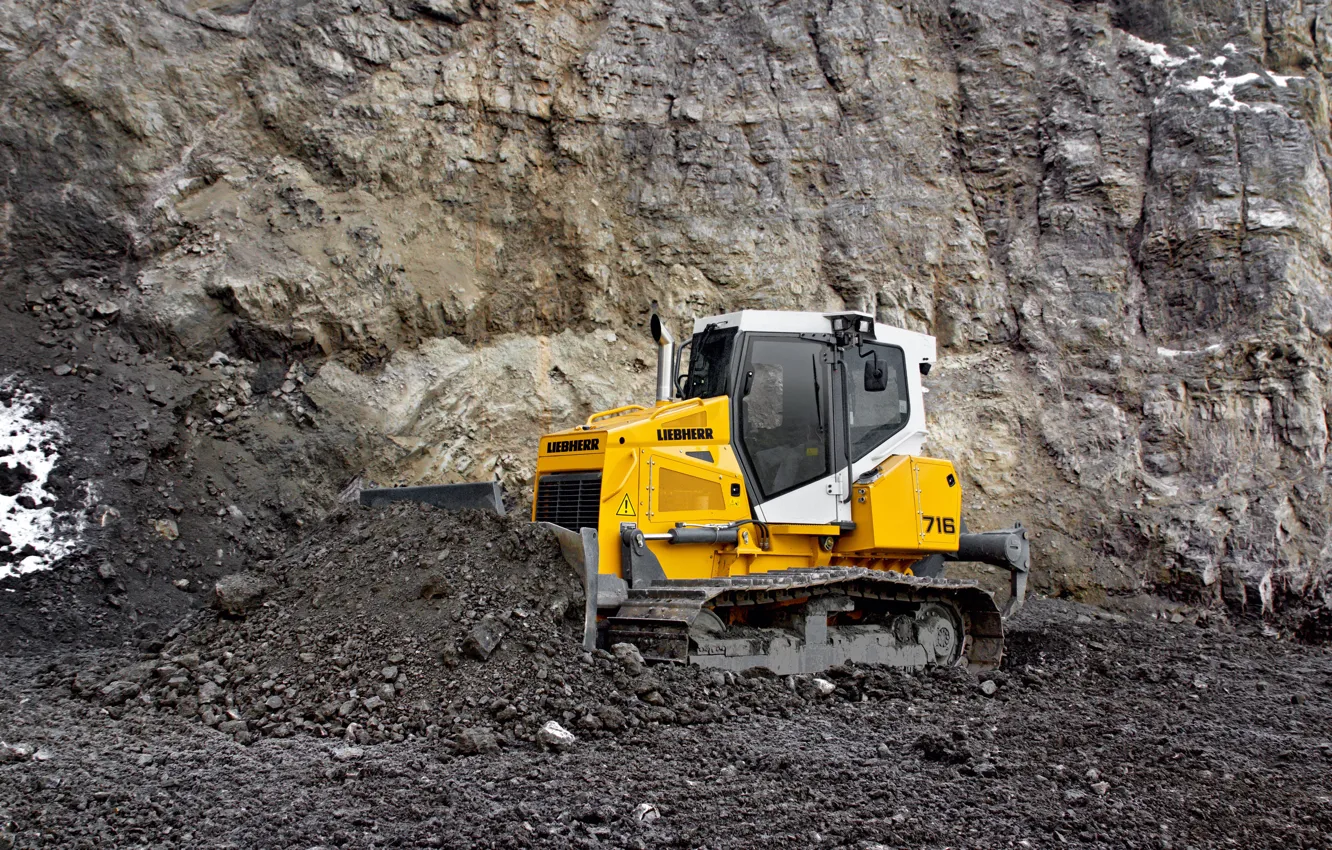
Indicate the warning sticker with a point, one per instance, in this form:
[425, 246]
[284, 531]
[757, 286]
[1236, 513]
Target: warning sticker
[626, 507]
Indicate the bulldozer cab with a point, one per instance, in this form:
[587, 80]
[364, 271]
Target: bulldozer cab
[816, 399]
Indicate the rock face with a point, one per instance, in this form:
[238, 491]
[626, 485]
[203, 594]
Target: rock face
[454, 214]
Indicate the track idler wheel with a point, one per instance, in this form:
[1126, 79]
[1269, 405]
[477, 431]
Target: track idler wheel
[939, 633]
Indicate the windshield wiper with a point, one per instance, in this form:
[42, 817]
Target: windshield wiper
[818, 394]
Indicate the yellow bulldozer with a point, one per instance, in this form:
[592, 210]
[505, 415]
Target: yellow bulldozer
[772, 508]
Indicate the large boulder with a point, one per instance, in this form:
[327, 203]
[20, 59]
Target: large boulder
[240, 593]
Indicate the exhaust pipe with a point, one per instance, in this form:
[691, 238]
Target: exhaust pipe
[665, 357]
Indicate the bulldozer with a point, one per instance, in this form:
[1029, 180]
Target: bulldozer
[773, 507]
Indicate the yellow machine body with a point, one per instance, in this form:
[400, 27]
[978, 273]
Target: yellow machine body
[675, 463]
[911, 507]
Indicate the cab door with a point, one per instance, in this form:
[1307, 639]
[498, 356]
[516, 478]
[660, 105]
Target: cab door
[784, 428]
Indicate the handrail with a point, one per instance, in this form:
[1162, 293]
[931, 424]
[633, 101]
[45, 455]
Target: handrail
[673, 407]
[614, 411]
[676, 407]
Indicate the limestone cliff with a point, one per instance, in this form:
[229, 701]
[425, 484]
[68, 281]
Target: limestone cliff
[453, 214]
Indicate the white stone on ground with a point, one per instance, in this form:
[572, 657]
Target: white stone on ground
[555, 735]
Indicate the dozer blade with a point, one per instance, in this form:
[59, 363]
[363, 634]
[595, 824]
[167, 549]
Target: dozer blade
[579, 549]
[803, 621]
[485, 496]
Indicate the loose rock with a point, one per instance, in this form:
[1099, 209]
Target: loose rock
[477, 739]
[630, 658]
[556, 736]
[10, 753]
[483, 638]
[240, 593]
[646, 813]
[118, 692]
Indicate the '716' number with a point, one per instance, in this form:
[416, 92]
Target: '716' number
[939, 524]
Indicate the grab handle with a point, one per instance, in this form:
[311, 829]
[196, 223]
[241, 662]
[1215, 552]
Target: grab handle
[616, 411]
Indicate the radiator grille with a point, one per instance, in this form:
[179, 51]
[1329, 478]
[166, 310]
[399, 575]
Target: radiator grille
[571, 500]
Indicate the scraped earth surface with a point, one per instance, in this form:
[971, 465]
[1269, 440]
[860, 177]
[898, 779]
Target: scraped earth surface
[1100, 731]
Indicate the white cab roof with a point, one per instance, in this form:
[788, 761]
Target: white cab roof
[918, 347]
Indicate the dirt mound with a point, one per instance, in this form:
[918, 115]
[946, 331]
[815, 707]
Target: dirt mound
[370, 629]
[412, 621]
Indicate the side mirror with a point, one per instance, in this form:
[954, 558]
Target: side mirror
[876, 375]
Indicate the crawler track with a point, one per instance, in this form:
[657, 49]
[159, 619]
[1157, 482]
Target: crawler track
[807, 619]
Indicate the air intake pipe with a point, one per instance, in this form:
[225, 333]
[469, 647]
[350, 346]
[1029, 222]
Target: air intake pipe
[665, 357]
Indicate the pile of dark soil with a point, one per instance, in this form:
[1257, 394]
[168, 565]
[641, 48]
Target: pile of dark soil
[381, 624]
[412, 621]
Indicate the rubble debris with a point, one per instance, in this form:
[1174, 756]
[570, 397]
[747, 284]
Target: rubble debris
[483, 638]
[477, 739]
[10, 753]
[167, 528]
[646, 813]
[342, 643]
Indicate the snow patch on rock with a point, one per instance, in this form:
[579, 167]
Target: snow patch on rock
[1155, 53]
[1225, 91]
[1162, 351]
[32, 535]
[1224, 88]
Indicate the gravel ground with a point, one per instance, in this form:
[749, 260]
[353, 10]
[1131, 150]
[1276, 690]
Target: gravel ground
[1100, 733]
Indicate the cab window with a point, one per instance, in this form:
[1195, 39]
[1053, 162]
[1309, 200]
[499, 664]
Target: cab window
[709, 363]
[784, 412]
[877, 409]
